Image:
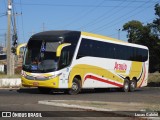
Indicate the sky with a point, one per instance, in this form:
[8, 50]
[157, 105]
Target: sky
[104, 17]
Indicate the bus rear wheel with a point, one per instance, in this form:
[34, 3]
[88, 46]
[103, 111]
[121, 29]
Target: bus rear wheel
[76, 87]
[133, 85]
[126, 85]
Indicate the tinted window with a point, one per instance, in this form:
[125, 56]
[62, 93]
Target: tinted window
[140, 54]
[66, 56]
[119, 52]
[110, 50]
[98, 49]
[144, 55]
[91, 48]
[85, 48]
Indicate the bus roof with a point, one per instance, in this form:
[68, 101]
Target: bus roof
[101, 36]
[111, 39]
[51, 35]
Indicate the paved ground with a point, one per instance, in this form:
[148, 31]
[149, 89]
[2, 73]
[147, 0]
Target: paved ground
[26, 99]
[147, 95]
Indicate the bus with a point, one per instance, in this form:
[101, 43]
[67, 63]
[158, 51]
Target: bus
[75, 60]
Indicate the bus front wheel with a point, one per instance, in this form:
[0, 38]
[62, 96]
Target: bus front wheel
[76, 87]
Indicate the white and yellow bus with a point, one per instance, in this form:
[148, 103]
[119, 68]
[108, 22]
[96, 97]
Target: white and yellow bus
[74, 60]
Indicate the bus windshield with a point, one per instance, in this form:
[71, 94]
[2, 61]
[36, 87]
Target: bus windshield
[40, 56]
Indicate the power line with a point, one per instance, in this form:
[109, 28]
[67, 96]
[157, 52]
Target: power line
[94, 21]
[102, 17]
[127, 17]
[129, 0]
[3, 15]
[13, 19]
[5, 4]
[147, 21]
[118, 19]
[85, 14]
[22, 20]
[76, 5]
[113, 34]
[85, 6]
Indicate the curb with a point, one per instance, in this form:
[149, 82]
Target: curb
[55, 103]
[128, 113]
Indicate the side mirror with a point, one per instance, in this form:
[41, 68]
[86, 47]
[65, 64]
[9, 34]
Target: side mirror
[60, 47]
[19, 47]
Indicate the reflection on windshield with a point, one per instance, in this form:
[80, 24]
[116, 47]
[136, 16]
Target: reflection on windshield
[40, 56]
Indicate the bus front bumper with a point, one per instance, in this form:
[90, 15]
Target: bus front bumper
[52, 83]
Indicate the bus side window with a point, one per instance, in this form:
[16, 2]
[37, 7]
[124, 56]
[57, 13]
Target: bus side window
[110, 50]
[66, 57]
[85, 48]
[145, 55]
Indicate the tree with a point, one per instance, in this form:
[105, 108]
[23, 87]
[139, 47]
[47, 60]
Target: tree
[148, 35]
[155, 25]
[156, 31]
[156, 22]
[137, 33]
[134, 29]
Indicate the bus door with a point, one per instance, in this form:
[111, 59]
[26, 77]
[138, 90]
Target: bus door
[65, 56]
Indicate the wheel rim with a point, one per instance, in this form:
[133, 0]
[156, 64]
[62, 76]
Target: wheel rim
[126, 86]
[132, 85]
[74, 86]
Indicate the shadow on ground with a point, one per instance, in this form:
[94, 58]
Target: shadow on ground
[60, 92]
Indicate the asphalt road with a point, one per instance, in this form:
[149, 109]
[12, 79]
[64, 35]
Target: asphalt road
[26, 99]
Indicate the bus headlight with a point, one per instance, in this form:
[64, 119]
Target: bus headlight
[55, 75]
[51, 77]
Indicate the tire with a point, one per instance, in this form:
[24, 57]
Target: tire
[132, 85]
[125, 86]
[44, 90]
[76, 87]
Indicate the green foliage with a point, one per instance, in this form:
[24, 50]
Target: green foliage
[155, 25]
[134, 29]
[154, 77]
[157, 10]
[148, 35]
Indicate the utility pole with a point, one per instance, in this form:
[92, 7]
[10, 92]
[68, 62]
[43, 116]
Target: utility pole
[10, 67]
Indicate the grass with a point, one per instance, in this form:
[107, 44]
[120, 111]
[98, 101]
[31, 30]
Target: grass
[154, 77]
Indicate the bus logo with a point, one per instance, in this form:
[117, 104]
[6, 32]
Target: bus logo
[120, 67]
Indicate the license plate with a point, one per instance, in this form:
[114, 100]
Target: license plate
[35, 84]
